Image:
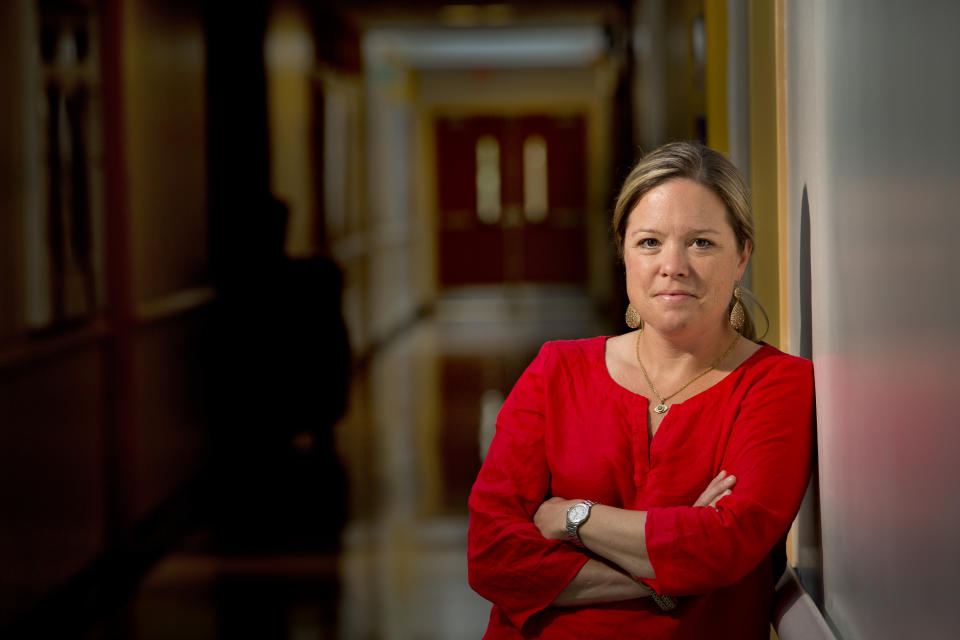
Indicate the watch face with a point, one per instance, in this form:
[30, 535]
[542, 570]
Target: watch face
[578, 512]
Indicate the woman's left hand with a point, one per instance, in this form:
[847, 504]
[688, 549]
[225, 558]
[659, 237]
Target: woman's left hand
[551, 518]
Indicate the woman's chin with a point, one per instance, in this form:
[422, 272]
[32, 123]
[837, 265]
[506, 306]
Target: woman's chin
[668, 328]
[677, 325]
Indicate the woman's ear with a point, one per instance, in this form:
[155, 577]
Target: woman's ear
[744, 258]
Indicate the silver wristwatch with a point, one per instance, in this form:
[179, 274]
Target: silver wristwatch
[576, 516]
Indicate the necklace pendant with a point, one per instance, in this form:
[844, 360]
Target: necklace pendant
[660, 408]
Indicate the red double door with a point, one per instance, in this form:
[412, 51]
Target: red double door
[511, 197]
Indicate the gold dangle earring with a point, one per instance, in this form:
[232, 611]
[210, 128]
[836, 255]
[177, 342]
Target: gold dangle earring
[632, 317]
[737, 316]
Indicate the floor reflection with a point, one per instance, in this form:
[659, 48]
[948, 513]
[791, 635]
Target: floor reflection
[420, 414]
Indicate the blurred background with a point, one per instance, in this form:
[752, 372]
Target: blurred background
[268, 270]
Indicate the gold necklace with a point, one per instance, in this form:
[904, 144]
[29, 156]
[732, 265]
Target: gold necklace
[662, 407]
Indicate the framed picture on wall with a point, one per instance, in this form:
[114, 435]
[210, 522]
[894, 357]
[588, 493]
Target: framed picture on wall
[63, 224]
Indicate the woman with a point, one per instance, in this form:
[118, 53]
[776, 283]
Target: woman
[607, 509]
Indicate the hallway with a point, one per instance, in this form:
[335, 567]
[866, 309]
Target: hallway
[410, 446]
[208, 206]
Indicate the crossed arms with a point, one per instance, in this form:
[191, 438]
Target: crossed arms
[617, 536]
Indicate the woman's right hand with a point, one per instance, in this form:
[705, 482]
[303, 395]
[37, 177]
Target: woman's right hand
[719, 487]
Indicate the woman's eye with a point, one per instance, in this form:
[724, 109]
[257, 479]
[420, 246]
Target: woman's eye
[649, 243]
[702, 243]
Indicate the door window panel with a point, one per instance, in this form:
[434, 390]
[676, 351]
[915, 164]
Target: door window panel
[535, 205]
[488, 180]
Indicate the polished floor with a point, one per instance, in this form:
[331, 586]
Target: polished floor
[420, 414]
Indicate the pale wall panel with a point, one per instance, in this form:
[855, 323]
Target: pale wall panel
[873, 96]
[392, 299]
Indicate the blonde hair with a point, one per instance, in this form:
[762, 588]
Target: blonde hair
[706, 167]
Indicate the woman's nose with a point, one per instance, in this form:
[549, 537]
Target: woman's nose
[675, 260]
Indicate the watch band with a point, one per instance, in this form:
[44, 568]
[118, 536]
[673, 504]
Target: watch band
[573, 526]
[666, 603]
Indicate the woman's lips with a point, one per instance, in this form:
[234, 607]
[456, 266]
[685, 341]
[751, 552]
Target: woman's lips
[675, 295]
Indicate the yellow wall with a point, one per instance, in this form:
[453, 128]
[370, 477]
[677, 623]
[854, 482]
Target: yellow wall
[715, 18]
[163, 93]
[765, 163]
[164, 81]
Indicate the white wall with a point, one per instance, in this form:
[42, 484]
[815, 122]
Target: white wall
[873, 137]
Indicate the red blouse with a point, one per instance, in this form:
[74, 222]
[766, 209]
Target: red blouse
[568, 429]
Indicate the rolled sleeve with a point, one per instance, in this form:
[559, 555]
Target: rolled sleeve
[697, 550]
[510, 563]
